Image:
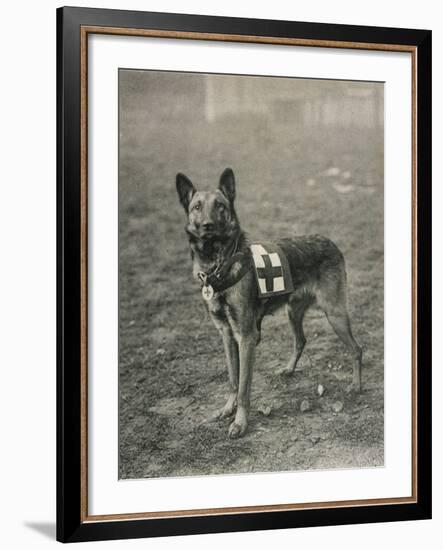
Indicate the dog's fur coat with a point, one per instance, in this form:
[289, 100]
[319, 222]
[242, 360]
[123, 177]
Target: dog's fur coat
[318, 272]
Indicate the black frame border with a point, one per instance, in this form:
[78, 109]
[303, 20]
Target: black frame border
[70, 527]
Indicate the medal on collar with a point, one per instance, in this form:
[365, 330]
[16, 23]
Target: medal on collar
[207, 290]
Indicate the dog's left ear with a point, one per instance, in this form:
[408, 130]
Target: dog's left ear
[227, 184]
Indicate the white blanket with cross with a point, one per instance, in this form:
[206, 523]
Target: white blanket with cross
[271, 269]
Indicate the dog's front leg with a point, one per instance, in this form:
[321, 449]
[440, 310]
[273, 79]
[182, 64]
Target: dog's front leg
[246, 346]
[231, 353]
[232, 361]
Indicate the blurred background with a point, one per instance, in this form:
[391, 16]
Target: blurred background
[308, 158]
[211, 97]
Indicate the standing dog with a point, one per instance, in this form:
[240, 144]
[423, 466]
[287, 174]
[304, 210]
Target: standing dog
[222, 263]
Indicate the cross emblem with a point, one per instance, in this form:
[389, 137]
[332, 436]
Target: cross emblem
[269, 272]
[207, 292]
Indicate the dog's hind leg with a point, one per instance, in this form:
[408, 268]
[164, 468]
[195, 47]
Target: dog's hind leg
[296, 310]
[339, 320]
[333, 303]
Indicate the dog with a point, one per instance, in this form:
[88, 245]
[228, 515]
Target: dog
[222, 265]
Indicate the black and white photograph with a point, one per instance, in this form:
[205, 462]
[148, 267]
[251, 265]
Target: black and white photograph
[251, 274]
[217, 310]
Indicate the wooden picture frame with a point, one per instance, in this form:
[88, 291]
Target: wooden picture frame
[74, 25]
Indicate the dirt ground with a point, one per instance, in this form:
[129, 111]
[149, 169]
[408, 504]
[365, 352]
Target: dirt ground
[172, 374]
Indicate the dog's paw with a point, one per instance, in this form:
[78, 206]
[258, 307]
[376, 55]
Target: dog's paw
[226, 412]
[236, 430]
[214, 417]
[240, 424]
[229, 408]
[221, 414]
[286, 372]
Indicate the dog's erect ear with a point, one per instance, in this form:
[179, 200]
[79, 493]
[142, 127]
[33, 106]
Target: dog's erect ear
[227, 184]
[185, 190]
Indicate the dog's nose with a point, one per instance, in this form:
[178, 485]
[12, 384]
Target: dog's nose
[207, 226]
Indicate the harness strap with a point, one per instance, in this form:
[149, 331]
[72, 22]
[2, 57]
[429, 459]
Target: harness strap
[220, 279]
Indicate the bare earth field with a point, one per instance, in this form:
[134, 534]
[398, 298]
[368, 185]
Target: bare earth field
[171, 364]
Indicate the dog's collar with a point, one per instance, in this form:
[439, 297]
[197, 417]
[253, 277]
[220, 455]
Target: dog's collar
[220, 277]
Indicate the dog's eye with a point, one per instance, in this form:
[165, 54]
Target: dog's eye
[197, 206]
[221, 207]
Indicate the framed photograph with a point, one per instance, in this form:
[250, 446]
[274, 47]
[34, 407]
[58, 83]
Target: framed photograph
[244, 274]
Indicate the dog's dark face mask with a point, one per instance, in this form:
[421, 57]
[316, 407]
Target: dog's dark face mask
[211, 214]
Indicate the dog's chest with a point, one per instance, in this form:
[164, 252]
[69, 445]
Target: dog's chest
[216, 306]
[219, 309]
